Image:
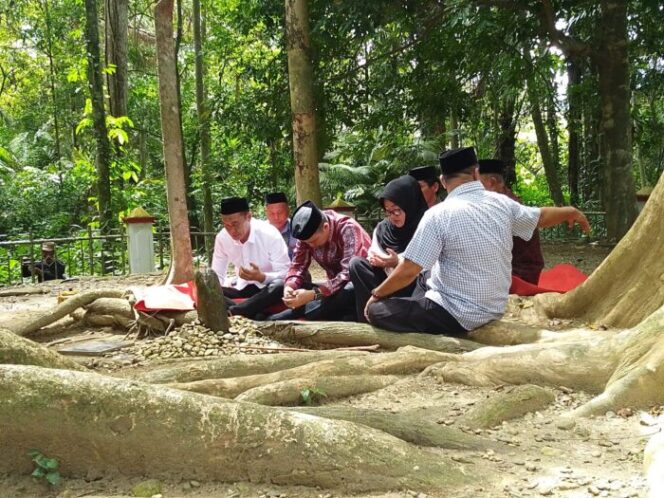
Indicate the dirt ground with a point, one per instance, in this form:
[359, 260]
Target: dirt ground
[537, 455]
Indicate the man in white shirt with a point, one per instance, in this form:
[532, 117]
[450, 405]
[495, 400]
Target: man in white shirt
[258, 254]
[467, 242]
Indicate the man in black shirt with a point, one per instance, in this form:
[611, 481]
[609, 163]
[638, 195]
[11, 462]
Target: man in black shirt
[48, 268]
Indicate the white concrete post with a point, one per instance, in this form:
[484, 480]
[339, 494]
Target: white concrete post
[140, 241]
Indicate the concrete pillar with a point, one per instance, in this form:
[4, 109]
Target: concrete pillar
[140, 241]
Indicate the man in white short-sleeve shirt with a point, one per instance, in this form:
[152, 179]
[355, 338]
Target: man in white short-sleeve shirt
[259, 256]
[466, 241]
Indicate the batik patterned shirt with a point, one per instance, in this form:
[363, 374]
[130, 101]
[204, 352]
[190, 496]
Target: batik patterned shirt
[346, 239]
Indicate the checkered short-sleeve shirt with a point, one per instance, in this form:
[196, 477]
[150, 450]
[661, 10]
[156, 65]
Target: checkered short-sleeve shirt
[466, 241]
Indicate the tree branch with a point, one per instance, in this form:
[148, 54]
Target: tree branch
[570, 46]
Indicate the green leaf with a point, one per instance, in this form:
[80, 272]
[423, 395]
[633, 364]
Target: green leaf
[38, 472]
[51, 463]
[53, 477]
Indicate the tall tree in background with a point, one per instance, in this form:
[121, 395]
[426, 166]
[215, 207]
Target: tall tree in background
[96, 86]
[116, 55]
[181, 269]
[610, 57]
[203, 127]
[301, 82]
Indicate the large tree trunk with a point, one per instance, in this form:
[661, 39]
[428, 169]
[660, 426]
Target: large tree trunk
[543, 144]
[117, 25]
[52, 79]
[628, 285]
[181, 269]
[130, 428]
[506, 146]
[614, 86]
[96, 86]
[303, 109]
[573, 129]
[203, 128]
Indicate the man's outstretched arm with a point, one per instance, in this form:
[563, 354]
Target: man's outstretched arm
[550, 216]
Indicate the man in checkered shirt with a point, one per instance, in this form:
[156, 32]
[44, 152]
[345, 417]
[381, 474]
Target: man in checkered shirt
[466, 241]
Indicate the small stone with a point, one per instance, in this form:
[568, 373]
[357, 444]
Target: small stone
[421, 495]
[605, 443]
[566, 424]
[147, 489]
[531, 467]
[186, 486]
[596, 454]
[195, 484]
[593, 490]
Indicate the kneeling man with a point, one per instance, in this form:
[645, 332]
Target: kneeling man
[259, 255]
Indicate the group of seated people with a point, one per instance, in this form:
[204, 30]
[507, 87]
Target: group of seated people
[433, 267]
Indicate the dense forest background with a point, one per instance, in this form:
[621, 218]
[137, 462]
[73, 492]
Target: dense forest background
[567, 93]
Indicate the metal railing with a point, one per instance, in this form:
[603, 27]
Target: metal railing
[89, 253]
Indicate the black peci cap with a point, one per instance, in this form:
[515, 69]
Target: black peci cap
[275, 198]
[232, 205]
[455, 160]
[494, 166]
[424, 173]
[306, 220]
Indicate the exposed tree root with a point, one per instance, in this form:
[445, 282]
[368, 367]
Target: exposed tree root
[127, 426]
[405, 361]
[626, 368]
[21, 351]
[406, 426]
[513, 402]
[289, 392]
[629, 284]
[110, 312]
[504, 333]
[238, 365]
[359, 334]
[33, 324]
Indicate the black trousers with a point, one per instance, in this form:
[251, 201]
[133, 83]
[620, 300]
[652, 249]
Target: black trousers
[365, 278]
[339, 307]
[256, 300]
[414, 314]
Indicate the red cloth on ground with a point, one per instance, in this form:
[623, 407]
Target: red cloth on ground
[180, 297]
[561, 278]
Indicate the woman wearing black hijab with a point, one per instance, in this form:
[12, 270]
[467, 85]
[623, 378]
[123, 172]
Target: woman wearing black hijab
[404, 205]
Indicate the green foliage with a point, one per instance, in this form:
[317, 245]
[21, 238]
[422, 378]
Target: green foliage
[46, 469]
[312, 395]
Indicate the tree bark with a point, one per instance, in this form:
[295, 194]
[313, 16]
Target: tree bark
[614, 85]
[506, 146]
[43, 319]
[358, 334]
[303, 109]
[203, 128]
[238, 365]
[407, 361]
[627, 287]
[96, 87]
[117, 26]
[543, 145]
[407, 426]
[573, 129]
[226, 441]
[181, 269]
[16, 350]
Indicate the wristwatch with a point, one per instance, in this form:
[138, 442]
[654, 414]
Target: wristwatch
[318, 295]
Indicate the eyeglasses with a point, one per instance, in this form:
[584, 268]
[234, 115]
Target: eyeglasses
[393, 212]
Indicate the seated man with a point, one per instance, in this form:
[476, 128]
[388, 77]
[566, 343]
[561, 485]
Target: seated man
[427, 177]
[258, 254]
[49, 268]
[332, 240]
[467, 242]
[276, 210]
[527, 259]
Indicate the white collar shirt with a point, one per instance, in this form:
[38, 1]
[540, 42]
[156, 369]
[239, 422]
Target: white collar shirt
[265, 247]
[466, 241]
